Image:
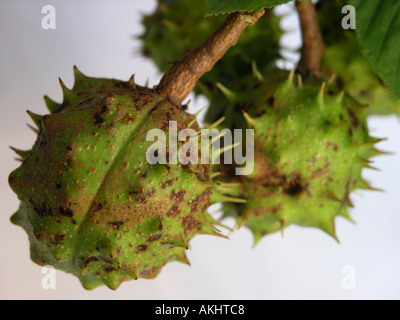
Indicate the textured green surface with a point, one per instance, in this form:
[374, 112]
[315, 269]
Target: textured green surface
[311, 144]
[229, 6]
[378, 30]
[175, 28]
[90, 202]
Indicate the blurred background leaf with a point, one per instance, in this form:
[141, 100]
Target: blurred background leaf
[378, 30]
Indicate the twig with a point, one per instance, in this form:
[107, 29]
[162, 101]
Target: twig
[313, 44]
[181, 79]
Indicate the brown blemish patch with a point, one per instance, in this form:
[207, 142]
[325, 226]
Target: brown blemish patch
[200, 202]
[167, 183]
[45, 236]
[174, 211]
[266, 211]
[116, 224]
[319, 172]
[336, 148]
[178, 196]
[144, 197]
[97, 206]
[160, 224]
[165, 123]
[151, 193]
[293, 186]
[271, 101]
[137, 190]
[191, 224]
[143, 175]
[59, 238]
[86, 101]
[92, 170]
[109, 269]
[201, 171]
[264, 233]
[98, 118]
[143, 98]
[353, 118]
[87, 261]
[273, 179]
[130, 214]
[142, 248]
[155, 237]
[39, 235]
[43, 210]
[67, 212]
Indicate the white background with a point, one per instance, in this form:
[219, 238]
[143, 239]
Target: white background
[96, 35]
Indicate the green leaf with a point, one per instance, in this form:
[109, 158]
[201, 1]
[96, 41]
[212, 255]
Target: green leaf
[228, 6]
[378, 30]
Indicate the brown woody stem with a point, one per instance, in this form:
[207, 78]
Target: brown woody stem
[313, 44]
[181, 79]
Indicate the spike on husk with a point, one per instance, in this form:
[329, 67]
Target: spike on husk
[52, 106]
[35, 130]
[321, 95]
[249, 120]
[230, 95]
[132, 82]
[257, 74]
[22, 153]
[36, 118]
[78, 75]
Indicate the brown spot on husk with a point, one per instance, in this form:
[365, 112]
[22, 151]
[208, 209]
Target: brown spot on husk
[109, 269]
[167, 183]
[155, 237]
[191, 224]
[293, 186]
[98, 118]
[178, 196]
[116, 224]
[201, 202]
[67, 212]
[43, 210]
[88, 260]
[353, 118]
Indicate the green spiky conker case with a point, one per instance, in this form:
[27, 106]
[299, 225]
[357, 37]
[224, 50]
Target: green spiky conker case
[309, 159]
[90, 202]
[311, 146]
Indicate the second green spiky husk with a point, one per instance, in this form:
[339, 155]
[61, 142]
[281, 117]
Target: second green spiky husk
[311, 146]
